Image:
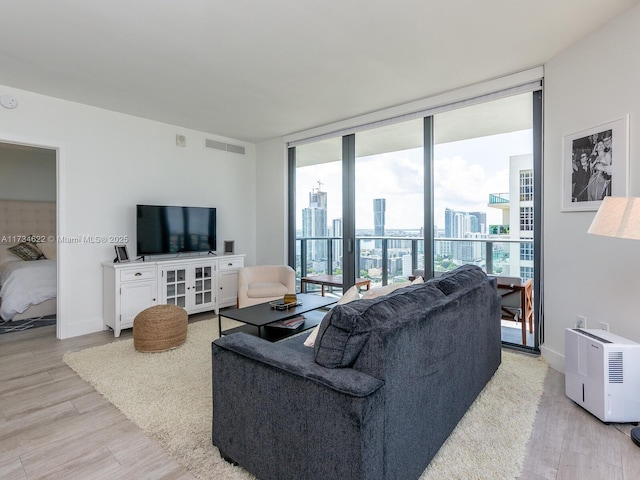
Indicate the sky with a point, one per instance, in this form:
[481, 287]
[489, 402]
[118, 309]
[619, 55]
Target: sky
[465, 173]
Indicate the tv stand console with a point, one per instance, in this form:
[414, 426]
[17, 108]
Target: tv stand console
[198, 284]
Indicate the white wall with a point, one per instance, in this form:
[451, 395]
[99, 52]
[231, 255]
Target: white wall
[594, 82]
[271, 203]
[27, 174]
[109, 162]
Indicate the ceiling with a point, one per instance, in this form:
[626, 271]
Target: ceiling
[254, 70]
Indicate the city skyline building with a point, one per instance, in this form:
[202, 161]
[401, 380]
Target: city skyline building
[336, 246]
[457, 224]
[379, 210]
[314, 223]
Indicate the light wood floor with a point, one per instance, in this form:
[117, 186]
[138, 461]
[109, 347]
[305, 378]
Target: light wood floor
[569, 443]
[54, 425]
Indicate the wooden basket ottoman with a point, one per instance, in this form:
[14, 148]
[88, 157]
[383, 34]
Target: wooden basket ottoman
[160, 328]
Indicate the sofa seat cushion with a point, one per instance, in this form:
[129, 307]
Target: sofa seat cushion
[346, 328]
[459, 278]
[266, 290]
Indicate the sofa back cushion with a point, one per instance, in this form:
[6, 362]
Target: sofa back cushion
[346, 328]
[349, 296]
[380, 291]
[461, 277]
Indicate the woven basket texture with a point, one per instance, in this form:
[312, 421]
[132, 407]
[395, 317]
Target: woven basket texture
[160, 328]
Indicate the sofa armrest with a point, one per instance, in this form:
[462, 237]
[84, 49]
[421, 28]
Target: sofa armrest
[344, 380]
[281, 416]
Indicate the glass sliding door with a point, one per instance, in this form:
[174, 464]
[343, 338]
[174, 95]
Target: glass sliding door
[318, 209]
[389, 202]
[484, 178]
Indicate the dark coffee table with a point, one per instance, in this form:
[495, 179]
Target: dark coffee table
[258, 317]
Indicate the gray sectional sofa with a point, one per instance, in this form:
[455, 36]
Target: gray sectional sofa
[385, 384]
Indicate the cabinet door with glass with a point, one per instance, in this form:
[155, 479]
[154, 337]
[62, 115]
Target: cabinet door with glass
[203, 287]
[175, 285]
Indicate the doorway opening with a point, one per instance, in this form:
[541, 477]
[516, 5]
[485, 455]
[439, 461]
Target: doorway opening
[28, 237]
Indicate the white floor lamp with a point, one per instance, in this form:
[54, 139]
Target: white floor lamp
[619, 217]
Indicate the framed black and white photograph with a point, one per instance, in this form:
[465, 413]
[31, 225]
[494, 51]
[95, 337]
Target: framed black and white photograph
[595, 165]
[229, 247]
[122, 255]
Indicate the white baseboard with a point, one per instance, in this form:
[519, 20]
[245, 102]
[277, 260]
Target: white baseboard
[69, 330]
[553, 358]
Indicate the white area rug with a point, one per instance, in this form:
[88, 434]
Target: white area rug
[168, 395]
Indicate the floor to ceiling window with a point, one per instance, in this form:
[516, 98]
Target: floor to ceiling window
[389, 193]
[318, 210]
[484, 202]
[459, 186]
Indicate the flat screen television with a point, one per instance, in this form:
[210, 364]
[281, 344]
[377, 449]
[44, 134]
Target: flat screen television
[163, 229]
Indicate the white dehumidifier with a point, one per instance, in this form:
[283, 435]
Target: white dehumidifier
[602, 374]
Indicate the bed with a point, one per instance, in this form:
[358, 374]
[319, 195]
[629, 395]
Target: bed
[27, 288]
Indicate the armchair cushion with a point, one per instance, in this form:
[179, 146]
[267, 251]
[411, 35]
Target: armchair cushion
[264, 283]
[266, 289]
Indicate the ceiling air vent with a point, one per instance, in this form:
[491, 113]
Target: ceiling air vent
[225, 147]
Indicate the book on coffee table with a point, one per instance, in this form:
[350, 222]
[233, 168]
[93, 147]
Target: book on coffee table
[282, 305]
[290, 323]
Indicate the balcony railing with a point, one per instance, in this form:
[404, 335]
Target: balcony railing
[498, 198]
[384, 260]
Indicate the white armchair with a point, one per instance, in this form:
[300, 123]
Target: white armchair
[264, 283]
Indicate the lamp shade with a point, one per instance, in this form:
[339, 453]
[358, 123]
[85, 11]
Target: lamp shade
[617, 217]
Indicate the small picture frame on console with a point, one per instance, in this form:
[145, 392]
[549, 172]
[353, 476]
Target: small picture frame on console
[122, 255]
[229, 247]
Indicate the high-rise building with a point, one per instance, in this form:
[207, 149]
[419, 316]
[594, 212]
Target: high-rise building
[336, 229]
[318, 198]
[406, 265]
[521, 219]
[449, 222]
[463, 225]
[337, 244]
[379, 208]
[459, 224]
[314, 223]
[517, 218]
[478, 222]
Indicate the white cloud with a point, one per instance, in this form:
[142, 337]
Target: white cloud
[465, 173]
[461, 185]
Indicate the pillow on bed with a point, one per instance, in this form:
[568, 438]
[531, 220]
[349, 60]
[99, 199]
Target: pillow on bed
[6, 255]
[27, 251]
[48, 249]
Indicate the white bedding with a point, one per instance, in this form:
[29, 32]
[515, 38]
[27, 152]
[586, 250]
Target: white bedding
[25, 284]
